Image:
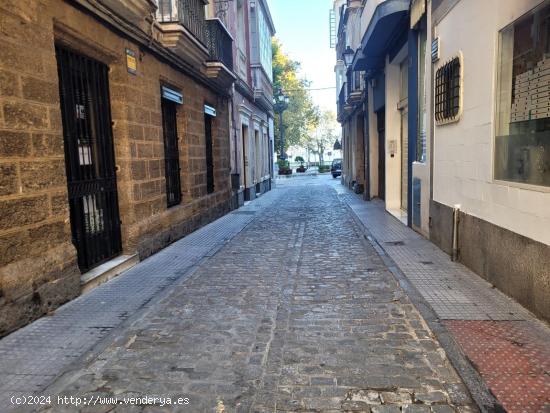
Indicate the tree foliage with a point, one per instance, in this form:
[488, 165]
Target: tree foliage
[323, 135]
[302, 114]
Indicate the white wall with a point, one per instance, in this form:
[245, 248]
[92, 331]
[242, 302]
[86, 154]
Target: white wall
[463, 151]
[393, 131]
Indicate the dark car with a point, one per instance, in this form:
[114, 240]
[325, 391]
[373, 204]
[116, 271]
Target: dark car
[336, 168]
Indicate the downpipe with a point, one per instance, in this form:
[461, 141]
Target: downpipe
[456, 221]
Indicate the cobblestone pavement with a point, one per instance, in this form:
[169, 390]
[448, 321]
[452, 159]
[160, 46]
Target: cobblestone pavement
[505, 343]
[32, 357]
[297, 313]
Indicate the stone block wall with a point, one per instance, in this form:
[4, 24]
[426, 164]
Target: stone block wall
[38, 266]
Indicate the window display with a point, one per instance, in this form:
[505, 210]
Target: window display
[522, 147]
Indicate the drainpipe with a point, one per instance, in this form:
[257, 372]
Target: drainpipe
[456, 220]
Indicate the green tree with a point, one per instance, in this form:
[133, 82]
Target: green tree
[302, 114]
[323, 135]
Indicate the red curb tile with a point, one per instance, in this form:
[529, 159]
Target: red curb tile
[512, 359]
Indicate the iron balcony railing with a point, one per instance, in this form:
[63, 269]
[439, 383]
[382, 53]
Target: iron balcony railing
[190, 13]
[219, 43]
[342, 100]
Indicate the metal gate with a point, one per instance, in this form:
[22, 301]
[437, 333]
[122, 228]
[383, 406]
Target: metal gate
[89, 158]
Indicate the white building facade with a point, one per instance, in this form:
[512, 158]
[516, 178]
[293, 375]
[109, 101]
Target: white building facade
[452, 129]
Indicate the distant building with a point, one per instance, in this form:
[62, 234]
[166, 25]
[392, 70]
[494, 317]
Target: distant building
[252, 147]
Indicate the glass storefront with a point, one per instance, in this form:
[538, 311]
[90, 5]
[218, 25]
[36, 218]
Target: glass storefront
[522, 147]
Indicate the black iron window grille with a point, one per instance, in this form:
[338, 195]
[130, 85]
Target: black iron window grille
[171, 153]
[89, 157]
[448, 93]
[190, 13]
[209, 154]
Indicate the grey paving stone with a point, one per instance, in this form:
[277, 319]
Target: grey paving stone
[296, 313]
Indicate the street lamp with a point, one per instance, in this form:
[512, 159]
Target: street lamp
[280, 104]
[348, 56]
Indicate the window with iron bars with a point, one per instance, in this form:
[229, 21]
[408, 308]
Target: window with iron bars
[448, 93]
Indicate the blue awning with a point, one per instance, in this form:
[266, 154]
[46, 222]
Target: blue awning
[389, 19]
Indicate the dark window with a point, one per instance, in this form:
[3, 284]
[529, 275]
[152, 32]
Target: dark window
[447, 92]
[171, 153]
[209, 154]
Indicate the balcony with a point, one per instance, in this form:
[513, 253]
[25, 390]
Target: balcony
[188, 13]
[343, 108]
[263, 87]
[219, 42]
[137, 12]
[219, 65]
[382, 21]
[355, 88]
[203, 43]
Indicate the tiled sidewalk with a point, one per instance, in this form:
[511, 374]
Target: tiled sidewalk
[32, 357]
[507, 345]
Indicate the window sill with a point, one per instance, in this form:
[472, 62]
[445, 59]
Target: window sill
[528, 187]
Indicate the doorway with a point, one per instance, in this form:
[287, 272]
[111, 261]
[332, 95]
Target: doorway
[89, 158]
[403, 107]
[244, 137]
[258, 160]
[381, 126]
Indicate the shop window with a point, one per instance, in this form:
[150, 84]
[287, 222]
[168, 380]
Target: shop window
[522, 147]
[448, 93]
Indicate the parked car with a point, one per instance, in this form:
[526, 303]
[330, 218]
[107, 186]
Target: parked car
[336, 168]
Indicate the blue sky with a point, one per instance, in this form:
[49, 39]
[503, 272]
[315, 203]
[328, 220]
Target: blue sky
[303, 28]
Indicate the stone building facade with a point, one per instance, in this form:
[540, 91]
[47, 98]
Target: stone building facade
[89, 87]
[251, 107]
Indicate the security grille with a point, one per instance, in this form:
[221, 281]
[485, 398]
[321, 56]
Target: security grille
[171, 153]
[89, 158]
[448, 98]
[209, 154]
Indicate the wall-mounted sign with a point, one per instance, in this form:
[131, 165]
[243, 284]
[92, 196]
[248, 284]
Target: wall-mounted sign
[171, 94]
[209, 110]
[131, 62]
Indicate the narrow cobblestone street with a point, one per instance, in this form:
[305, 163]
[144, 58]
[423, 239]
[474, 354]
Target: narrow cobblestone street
[298, 313]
